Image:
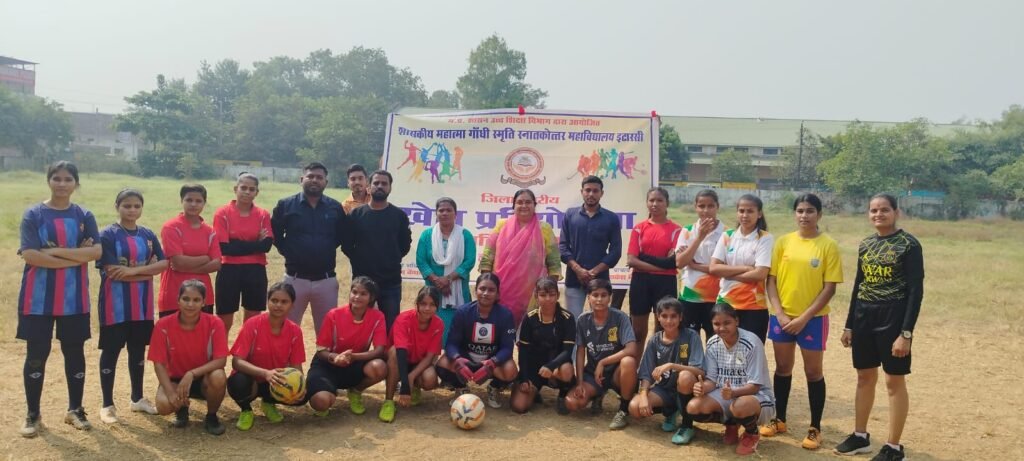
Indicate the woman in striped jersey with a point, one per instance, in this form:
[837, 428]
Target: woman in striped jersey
[131, 257]
[58, 240]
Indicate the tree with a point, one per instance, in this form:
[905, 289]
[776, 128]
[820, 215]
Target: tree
[495, 78]
[672, 154]
[38, 127]
[991, 146]
[800, 169]
[442, 99]
[734, 166]
[345, 131]
[272, 127]
[1010, 179]
[221, 85]
[161, 116]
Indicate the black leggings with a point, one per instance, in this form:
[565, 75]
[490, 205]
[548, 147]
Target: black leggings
[136, 370]
[35, 371]
[754, 321]
[242, 391]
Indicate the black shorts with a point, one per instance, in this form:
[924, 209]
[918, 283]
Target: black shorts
[755, 321]
[241, 282]
[70, 328]
[208, 309]
[697, 317]
[134, 333]
[195, 391]
[609, 375]
[875, 329]
[533, 376]
[645, 290]
[324, 377]
[245, 381]
[668, 396]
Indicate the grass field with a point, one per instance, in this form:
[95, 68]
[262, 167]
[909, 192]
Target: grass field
[969, 332]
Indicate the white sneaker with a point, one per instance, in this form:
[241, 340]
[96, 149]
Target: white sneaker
[108, 415]
[493, 397]
[143, 406]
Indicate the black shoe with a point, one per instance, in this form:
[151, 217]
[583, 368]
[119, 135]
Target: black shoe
[888, 453]
[181, 418]
[561, 408]
[213, 425]
[853, 445]
[537, 399]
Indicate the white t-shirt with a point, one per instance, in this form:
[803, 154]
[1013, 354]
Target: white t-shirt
[699, 287]
[736, 249]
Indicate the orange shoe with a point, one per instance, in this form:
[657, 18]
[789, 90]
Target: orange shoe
[813, 439]
[748, 444]
[772, 428]
[731, 436]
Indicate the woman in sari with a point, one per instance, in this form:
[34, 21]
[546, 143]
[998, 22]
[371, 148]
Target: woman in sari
[445, 255]
[521, 250]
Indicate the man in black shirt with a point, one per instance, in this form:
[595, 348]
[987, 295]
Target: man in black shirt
[380, 239]
[308, 228]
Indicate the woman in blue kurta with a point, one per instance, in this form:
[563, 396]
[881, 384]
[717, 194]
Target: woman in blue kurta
[444, 255]
[131, 257]
[58, 240]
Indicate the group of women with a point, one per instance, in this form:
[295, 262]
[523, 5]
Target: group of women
[739, 286]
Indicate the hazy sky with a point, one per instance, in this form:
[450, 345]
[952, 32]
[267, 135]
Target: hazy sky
[871, 60]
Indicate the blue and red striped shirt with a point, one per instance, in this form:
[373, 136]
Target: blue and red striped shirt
[55, 292]
[126, 301]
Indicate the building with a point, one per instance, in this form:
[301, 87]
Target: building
[94, 134]
[17, 75]
[765, 139]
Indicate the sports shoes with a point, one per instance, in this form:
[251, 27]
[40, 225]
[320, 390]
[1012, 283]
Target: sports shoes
[731, 435]
[619, 421]
[415, 396]
[669, 425]
[245, 420]
[76, 418]
[773, 428]
[213, 425]
[143, 406]
[321, 414]
[181, 418]
[387, 411]
[108, 415]
[31, 427]
[270, 411]
[493, 397]
[355, 402]
[748, 444]
[683, 436]
[888, 453]
[854, 445]
[813, 439]
[561, 408]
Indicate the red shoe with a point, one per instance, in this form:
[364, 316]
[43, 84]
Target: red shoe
[731, 436]
[748, 444]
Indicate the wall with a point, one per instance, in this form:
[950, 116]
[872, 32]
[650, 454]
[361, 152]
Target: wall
[265, 173]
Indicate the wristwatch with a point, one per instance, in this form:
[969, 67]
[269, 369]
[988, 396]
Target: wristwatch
[907, 334]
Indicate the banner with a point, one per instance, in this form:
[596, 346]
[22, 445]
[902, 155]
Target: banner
[480, 159]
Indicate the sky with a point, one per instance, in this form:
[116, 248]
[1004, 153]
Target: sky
[866, 59]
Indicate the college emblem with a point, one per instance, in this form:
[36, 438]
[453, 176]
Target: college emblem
[815, 262]
[613, 334]
[523, 166]
[684, 351]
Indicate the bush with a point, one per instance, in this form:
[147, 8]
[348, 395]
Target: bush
[94, 164]
[169, 164]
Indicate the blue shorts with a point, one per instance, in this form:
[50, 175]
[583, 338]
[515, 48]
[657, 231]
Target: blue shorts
[813, 337]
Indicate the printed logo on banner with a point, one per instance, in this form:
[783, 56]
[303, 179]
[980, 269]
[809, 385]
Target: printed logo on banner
[524, 165]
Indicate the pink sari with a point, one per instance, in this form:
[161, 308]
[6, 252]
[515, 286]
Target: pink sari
[519, 262]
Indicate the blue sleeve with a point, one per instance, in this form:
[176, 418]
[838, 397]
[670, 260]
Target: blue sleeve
[563, 239]
[507, 339]
[696, 352]
[158, 250]
[453, 348]
[91, 229]
[277, 225]
[469, 259]
[649, 360]
[30, 232]
[109, 244]
[615, 245]
[423, 254]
